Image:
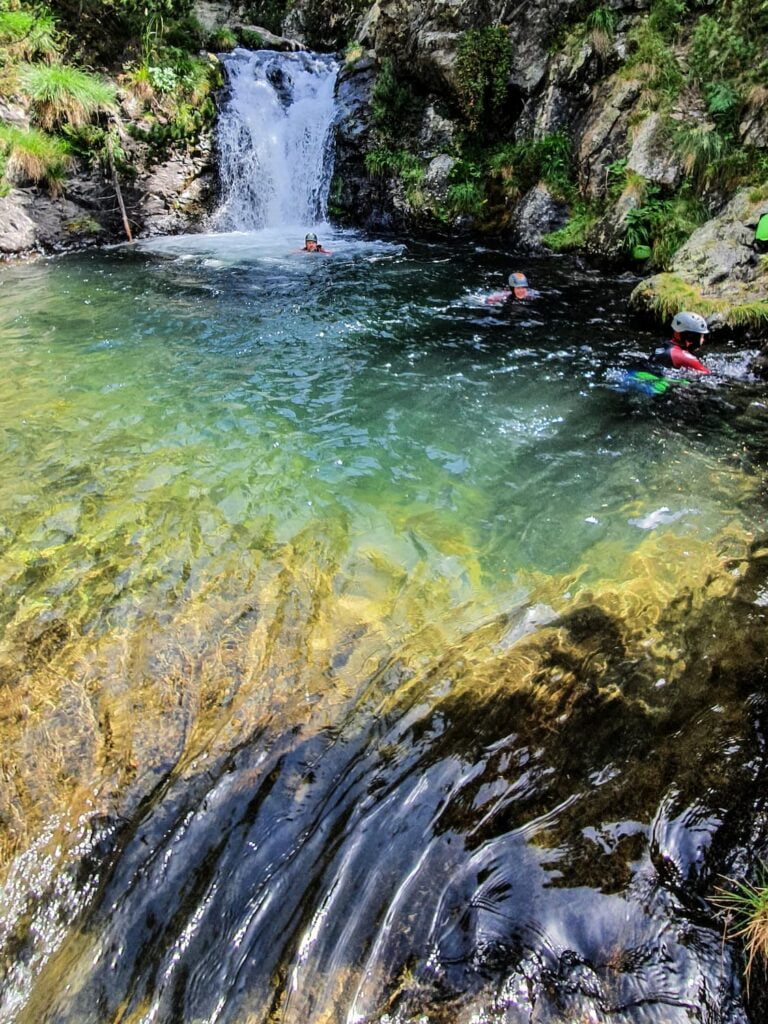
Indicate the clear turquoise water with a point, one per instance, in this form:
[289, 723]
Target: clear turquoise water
[239, 479]
[169, 408]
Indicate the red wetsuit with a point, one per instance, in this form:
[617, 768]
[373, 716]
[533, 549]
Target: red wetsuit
[675, 357]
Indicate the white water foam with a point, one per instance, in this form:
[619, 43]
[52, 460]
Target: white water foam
[275, 139]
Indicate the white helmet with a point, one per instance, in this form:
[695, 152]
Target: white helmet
[693, 322]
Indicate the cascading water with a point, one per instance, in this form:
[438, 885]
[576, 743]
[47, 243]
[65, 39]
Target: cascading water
[274, 139]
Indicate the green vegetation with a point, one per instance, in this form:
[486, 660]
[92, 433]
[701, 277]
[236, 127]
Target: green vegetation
[32, 156]
[482, 67]
[663, 224]
[574, 234]
[524, 163]
[25, 35]
[601, 28]
[269, 14]
[667, 293]
[223, 40]
[391, 102]
[177, 100]
[746, 918]
[654, 63]
[62, 94]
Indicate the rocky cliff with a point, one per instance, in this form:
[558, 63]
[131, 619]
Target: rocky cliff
[634, 131]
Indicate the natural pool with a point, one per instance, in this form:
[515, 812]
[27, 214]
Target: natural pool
[359, 640]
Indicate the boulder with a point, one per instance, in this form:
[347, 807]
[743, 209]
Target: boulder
[538, 213]
[32, 221]
[651, 154]
[175, 195]
[437, 178]
[723, 250]
[436, 134]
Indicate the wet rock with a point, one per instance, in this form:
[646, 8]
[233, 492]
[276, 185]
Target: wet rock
[754, 127]
[604, 135]
[538, 213]
[436, 134]
[651, 155]
[723, 249]
[437, 177]
[175, 195]
[31, 220]
[607, 237]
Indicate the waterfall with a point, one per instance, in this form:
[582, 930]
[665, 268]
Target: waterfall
[274, 139]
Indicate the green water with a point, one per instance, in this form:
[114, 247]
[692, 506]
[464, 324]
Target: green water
[173, 415]
[271, 528]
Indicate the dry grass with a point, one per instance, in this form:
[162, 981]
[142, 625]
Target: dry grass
[745, 907]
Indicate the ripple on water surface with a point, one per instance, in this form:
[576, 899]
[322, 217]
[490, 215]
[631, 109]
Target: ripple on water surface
[379, 617]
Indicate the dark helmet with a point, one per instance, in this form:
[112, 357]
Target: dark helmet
[518, 280]
[692, 323]
[311, 237]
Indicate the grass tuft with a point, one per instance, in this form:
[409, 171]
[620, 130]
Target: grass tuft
[746, 919]
[666, 294]
[33, 155]
[60, 94]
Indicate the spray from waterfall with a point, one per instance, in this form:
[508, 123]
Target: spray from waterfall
[274, 139]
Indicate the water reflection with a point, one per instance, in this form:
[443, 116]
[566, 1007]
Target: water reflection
[373, 653]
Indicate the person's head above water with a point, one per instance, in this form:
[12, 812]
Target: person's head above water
[689, 329]
[519, 284]
[310, 242]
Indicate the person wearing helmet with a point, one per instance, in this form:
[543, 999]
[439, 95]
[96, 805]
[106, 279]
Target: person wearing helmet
[688, 330]
[311, 244]
[518, 290]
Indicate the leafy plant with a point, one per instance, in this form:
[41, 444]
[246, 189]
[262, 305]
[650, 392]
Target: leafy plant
[391, 101]
[59, 93]
[482, 71]
[721, 97]
[33, 155]
[573, 235]
[663, 224]
[162, 79]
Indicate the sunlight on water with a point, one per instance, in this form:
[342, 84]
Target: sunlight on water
[245, 489]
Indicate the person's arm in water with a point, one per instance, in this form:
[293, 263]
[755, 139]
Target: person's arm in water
[686, 360]
[498, 297]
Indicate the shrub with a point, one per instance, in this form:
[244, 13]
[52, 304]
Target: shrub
[663, 224]
[25, 35]
[573, 235]
[59, 93]
[528, 161]
[250, 38]
[222, 40]
[32, 155]
[270, 14]
[666, 16]
[482, 71]
[391, 101]
[653, 61]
